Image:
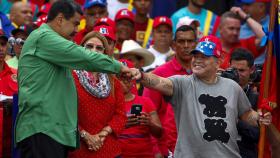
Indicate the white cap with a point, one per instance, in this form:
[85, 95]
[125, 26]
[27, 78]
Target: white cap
[187, 21]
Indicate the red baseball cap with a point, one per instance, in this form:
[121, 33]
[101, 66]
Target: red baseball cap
[160, 20]
[124, 14]
[105, 21]
[44, 9]
[42, 19]
[209, 46]
[106, 31]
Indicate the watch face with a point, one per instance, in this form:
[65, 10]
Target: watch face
[83, 134]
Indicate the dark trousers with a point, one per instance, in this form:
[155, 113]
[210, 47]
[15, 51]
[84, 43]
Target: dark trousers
[41, 146]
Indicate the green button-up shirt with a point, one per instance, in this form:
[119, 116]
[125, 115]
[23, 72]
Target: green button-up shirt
[47, 94]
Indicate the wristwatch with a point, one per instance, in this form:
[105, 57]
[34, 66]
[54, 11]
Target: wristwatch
[247, 17]
[83, 134]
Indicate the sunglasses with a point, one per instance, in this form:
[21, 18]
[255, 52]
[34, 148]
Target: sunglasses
[97, 48]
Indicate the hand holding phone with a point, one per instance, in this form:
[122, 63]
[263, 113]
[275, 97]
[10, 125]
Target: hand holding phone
[136, 109]
[144, 119]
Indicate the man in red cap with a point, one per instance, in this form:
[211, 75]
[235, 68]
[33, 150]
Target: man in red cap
[162, 40]
[124, 27]
[109, 33]
[93, 10]
[8, 80]
[206, 106]
[8, 87]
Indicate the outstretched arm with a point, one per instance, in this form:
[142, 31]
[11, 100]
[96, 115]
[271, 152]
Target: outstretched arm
[163, 85]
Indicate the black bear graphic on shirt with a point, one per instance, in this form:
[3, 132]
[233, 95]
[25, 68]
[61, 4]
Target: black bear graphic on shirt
[214, 107]
[216, 130]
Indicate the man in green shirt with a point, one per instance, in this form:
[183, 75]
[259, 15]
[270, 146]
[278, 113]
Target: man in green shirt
[46, 124]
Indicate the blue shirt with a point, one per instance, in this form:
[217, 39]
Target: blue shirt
[6, 24]
[246, 32]
[201, 17]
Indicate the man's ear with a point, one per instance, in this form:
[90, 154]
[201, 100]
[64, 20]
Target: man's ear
[59, 19]
[219, 62]
[173, 45]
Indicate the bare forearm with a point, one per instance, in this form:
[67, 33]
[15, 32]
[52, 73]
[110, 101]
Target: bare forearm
[160, 84]
[256, 28]
[155, 125]
[273, 136]
[156, 130]
[251, 117]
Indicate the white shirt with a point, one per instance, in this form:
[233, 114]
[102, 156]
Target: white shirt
[114, 6]
[160, 58]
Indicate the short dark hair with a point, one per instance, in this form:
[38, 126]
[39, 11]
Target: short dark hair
[67, 7]
[229, 14]
[242, 54]
[185, 28]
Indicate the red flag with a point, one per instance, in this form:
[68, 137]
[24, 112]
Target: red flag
[270, 91]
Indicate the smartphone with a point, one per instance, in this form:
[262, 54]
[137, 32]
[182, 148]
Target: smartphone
[136, 109]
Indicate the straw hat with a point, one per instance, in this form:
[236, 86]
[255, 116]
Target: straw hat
[133, 48]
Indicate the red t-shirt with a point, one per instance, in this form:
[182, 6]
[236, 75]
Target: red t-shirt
[136, 141]
[168, 69]
[79, 36]
[8, 81]
[248, 43]
[8, 87]
[139, 32]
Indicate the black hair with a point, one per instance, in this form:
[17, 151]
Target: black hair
[185, 28]
[67, 7]
[242, 54]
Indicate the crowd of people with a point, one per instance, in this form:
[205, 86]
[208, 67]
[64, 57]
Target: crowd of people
[101, 78]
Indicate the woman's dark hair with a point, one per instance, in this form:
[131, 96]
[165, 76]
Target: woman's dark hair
[67, 7]
[185, 28]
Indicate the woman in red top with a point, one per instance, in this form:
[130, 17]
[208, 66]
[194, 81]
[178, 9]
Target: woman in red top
[136, 139]
[101, 112]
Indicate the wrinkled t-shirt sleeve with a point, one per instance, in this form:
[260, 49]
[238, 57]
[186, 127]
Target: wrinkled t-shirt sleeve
[177, 81]
[244, 104]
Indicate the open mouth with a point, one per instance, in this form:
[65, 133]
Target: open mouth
[198, 66]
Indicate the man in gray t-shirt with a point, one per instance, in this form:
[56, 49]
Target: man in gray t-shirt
[206, 116]
[206, 106]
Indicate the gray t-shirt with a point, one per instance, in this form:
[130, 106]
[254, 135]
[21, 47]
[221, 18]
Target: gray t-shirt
[206, 117]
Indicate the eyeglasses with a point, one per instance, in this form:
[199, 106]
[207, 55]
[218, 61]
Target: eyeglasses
[97, 48]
